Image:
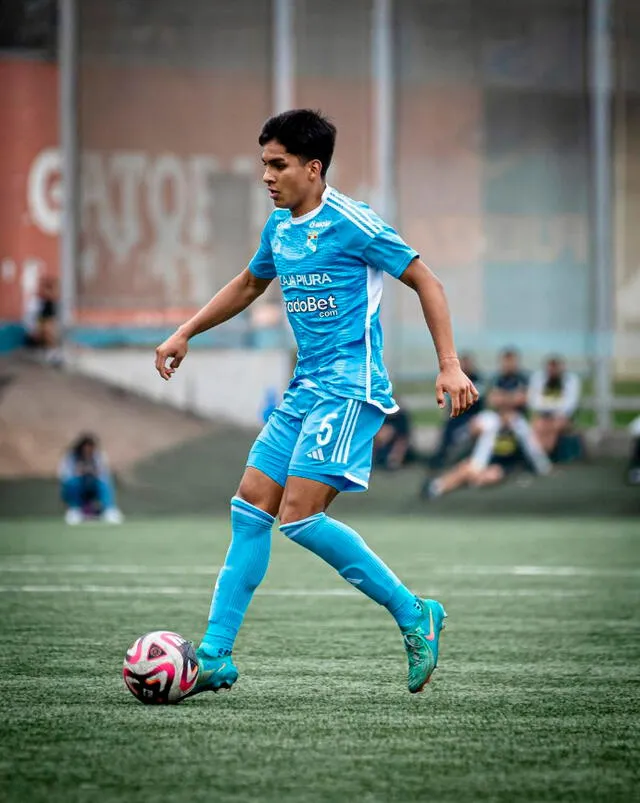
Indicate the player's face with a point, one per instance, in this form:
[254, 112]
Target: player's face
[289, 180]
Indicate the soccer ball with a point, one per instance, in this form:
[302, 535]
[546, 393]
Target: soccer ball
[160, 668]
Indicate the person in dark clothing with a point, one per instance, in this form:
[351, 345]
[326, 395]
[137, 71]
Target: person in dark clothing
[509, 386]
[504, 440]
[41, 316]
[457, 430]
[633, 469]
[392, 445]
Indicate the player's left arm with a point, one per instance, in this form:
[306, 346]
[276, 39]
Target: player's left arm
[451, 379]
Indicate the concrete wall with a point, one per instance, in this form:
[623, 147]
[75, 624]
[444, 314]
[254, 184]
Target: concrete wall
[218, 384]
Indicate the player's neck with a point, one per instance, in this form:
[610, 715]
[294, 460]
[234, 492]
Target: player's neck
[309, 204]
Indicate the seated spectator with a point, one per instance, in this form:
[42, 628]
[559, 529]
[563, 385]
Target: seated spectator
[553, 398]
[86, 484]
[456, 431]
[392, 445]
[633, 469]
[504, 438]
[508, 401]
[508, 393]
[41, 320]
[496, 454]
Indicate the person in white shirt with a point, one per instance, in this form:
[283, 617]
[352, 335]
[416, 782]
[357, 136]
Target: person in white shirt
[553, 398]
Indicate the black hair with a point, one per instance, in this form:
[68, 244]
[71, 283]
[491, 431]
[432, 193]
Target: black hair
[87, 439]
[510, 351]
[305, 133]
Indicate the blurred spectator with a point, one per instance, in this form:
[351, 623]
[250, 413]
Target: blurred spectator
[496, 454]
[553, 398]
[508, 392]
[392, 445]
[505, 440]
[86, 484]
[508, 402]
[41, 320]
[456, 431]
[633, 470]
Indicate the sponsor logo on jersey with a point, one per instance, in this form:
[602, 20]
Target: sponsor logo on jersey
[324, 307]
[319, 224]
[304, 279]
[312, 241]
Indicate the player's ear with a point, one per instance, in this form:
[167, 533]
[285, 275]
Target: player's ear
[314, 167]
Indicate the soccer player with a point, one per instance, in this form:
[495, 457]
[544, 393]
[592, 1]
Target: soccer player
[328, 253]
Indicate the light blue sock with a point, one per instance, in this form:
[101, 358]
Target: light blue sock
[244, 567]
[342, 548]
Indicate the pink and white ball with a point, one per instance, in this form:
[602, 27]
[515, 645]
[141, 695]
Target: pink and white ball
[160, 668]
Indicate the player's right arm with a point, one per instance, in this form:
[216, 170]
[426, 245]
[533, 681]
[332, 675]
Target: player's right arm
[228, 302]
[234, 297]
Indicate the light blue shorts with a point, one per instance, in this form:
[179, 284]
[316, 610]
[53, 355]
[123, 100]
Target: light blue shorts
[320, 437]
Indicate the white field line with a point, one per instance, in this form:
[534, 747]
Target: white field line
[91, 568]
[272, 592]
[538, 571]
[32, 566]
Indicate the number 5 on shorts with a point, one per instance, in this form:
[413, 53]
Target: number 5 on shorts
[325, 432]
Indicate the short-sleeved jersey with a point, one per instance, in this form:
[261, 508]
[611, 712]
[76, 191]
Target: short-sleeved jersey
[330, 264]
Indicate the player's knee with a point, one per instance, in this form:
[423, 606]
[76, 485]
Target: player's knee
[260, 494]
[296, 507]
[296, 510]
[303, 498]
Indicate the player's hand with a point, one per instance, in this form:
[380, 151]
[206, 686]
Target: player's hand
[175, 349]
[456, 383]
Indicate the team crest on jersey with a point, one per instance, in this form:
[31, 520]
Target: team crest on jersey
[312, 241]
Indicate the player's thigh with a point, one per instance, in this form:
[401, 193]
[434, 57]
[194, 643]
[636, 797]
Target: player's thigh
[335, 444]
[272, 450]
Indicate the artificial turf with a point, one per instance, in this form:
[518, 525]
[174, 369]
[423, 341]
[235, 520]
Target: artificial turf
[537, 697]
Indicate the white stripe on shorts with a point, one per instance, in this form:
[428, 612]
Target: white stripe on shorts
[344, 456]
[343, 429]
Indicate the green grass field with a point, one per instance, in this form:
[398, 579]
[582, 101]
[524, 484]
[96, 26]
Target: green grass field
[537, 697]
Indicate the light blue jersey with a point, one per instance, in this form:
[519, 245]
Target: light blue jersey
[329, 263]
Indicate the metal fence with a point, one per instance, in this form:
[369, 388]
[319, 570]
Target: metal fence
[499, 136]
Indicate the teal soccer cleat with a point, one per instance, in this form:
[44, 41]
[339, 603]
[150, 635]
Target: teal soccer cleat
[421, 644]
[214, 673]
